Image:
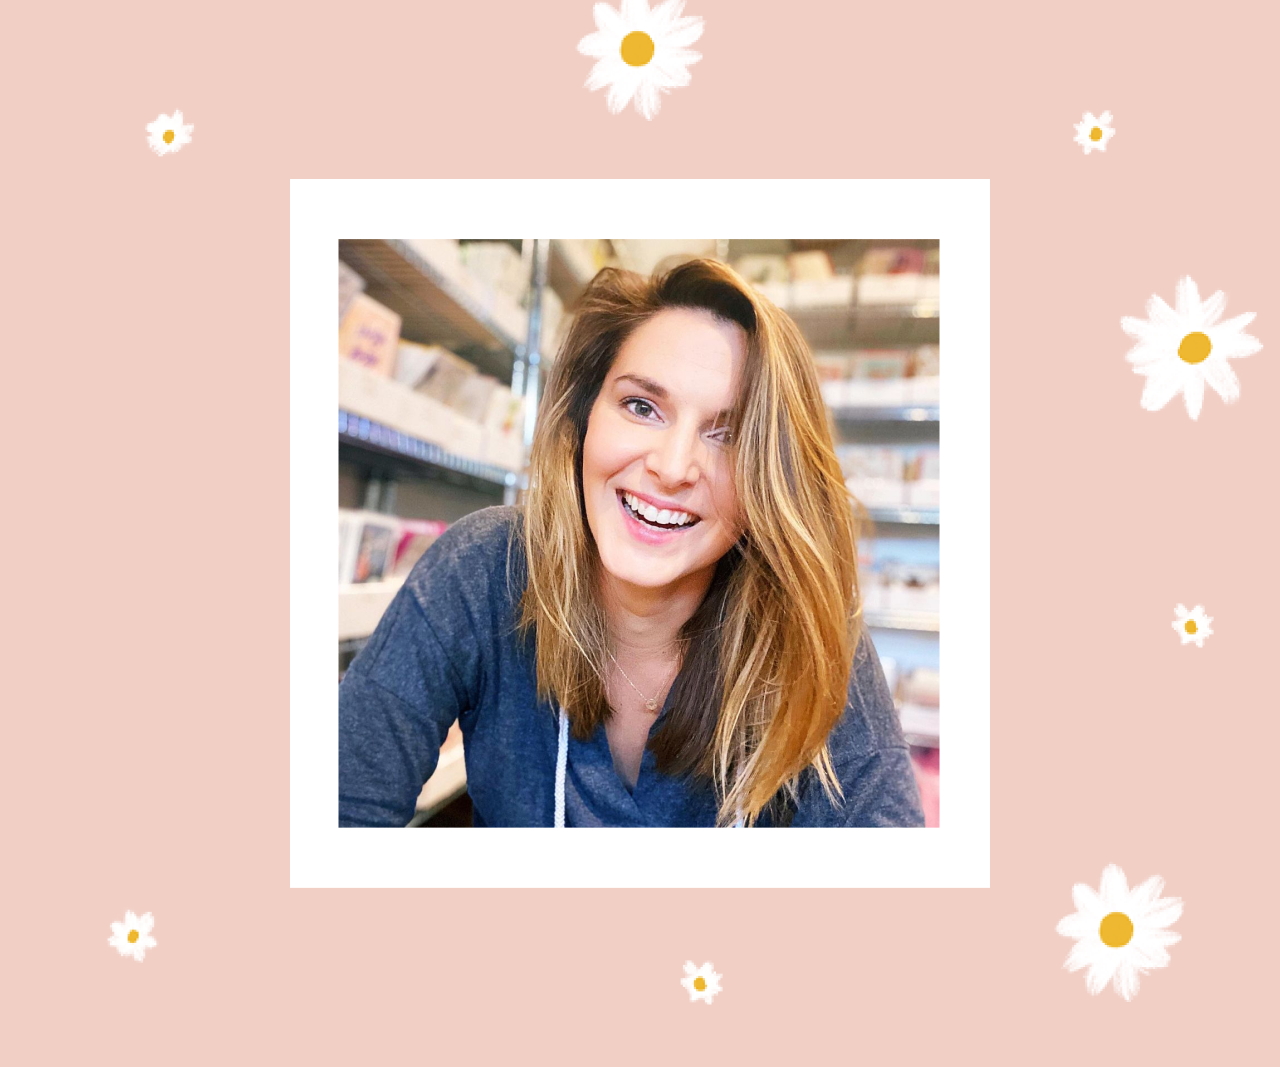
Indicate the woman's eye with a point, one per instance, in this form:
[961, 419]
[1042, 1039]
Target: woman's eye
[642, 403]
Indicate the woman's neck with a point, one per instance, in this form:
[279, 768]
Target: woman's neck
[645, 622]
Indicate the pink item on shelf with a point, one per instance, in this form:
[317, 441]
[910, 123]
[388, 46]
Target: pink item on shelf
[924, 761]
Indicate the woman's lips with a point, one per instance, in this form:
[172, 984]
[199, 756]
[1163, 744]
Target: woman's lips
[643, 532]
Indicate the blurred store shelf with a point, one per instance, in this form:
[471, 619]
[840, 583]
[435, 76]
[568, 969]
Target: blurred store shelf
[920, 725]
[375, 438]
[905, 516]
[918, 621]
[884, 413]
[439, 302]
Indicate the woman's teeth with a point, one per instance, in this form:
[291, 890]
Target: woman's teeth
[658, 516]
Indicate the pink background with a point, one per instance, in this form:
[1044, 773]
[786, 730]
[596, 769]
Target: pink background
[147, 746]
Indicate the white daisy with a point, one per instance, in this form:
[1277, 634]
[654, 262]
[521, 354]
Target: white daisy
[1180, 350]
[1192, 625]
[640, 53]
[133, 936]
[702, 982]
[1120, 933]
[1094, 133]
[167, 134]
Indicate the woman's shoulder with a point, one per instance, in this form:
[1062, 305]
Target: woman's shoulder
[473, 550]
[870, 723]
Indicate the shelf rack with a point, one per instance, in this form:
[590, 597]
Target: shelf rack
[917, 621]
[433, 305]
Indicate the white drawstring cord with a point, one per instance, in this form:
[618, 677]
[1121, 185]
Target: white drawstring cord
[562, 761]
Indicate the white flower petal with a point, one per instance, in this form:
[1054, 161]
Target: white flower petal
[147, 923]
[1163, 315]
[1114, 890]
[1144, 895]
[603, 73]
[623, 89]
[1082, 954]
[680, 55]
[1160, 937]
[1162, 386]
[1101, 972]
[1127, 979]
[1077, 925]
[608, 20]
[1218, 373]
[636, 14]
[1087, 901]
[1188, 300]
[647, 101]
[597, 45]
[1164, 912]
[1211, 309]
[1193, 394]
[683, 34]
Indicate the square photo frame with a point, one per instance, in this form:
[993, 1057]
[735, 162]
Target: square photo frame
[956, 213]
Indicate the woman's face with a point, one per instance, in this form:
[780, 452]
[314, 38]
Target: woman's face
[659, 430]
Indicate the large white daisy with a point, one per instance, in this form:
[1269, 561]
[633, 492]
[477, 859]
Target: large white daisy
[1120, 933]
[702, 982]
[1192, 625]
[1094, 133]
[168, 134]
[640, 53]
[133, 936]
[1179, 350]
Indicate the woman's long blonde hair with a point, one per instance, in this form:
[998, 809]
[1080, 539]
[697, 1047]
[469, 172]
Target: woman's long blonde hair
[767, 655]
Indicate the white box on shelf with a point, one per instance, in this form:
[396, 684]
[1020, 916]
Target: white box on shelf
[877, 492]
[443, 255]
[889, 288]
[924, 493]
[873, 392]
[822, 292]
[923, 391]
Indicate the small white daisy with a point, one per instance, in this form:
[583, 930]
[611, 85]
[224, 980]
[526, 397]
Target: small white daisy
[640, 53]
[1192, 625]
[702, 982]
[167, 134]
[1180, 350]
[133, 936]
[1120, 933]
[1094, 133]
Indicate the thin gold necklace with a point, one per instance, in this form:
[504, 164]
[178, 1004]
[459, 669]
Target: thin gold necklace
[652, 705]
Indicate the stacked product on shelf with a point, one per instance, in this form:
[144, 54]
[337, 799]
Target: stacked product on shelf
[375, 547]
[424, 391]
[872, 377]
[892, 476]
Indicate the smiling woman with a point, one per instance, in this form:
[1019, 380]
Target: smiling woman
[678, 638]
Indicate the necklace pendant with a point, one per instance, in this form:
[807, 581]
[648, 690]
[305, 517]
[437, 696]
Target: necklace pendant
[652, 705]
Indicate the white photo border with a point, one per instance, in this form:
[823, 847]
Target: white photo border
[956, 212]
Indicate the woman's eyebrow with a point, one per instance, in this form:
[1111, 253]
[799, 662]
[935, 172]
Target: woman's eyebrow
[660, 391]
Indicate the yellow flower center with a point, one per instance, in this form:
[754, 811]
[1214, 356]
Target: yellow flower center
[637, 48]
[168, 137]
[699, 983]
[1095, 134]
[1195, 347]
[1116, 930]
[1191, 626]
[133, 936]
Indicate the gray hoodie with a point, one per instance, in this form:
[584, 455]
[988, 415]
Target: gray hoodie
[446, 650]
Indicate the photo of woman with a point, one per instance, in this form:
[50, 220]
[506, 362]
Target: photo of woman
[667, 630]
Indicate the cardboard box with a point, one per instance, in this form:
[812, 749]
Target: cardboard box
[471, 399]
[369, 335]
[445, 376]
[810, 266]
[414, 362]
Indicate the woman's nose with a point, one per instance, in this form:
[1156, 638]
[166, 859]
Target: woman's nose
[677, 457]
